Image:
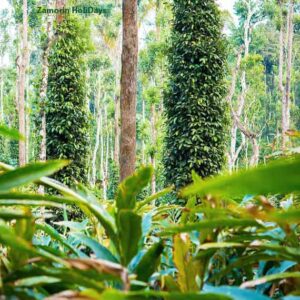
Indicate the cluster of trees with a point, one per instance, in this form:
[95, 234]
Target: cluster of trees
[173, 85]
[82, 87]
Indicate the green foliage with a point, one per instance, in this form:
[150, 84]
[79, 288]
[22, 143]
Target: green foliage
[66, 113]
[113, 179]
[195, 98]
[217, 241]
[256, 181]
[10, 133]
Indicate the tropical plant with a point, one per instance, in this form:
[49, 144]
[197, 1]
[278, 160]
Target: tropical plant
[126, 249]
[194, 101]
[66, 109]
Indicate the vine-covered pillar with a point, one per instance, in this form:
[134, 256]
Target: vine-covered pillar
[196, 110]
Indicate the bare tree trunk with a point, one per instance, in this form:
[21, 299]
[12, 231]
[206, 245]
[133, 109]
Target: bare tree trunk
[106, 179]
[233, 154]
[287, 92]
[98, 121]
[242, 99]
[43, 95]
[27, 120]
[255, 152]
[143, 140]
[116, 57]
[1, 100]
[21, 85]
[102, 163]
[129, 89]
[117, 130]
[153, 138]
[281, 51]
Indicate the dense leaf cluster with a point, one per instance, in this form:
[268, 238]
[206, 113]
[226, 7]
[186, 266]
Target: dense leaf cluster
[67, 115]
[194, 100]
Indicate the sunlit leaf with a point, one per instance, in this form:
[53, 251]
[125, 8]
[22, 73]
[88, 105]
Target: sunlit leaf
[278, 177]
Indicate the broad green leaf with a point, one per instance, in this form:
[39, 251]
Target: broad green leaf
[288, 252]
[55, 235]
[149, 262]
[37, 280]
[131, 187]
[153, 197]
[144, 295]
[10, 239]
[210, 224]
[99, 250]
[10, 133]
[186, 266]
[278, 177]
[9, 214]
[235, 293]
[71, 275]
[130, 232]
[28, 174]
[269, 278]
[73, 198]
[247, 260]
[288, 217]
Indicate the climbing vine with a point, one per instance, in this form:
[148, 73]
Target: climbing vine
[194, 100]
[67, 115]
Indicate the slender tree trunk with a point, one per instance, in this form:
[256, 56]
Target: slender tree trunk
[98, 132]
[27, 120]
[102, 162]
[129, 89]
[281, 51]
[287, 91]
[153, 138]
[233, 153]
[143, 140]
[43, 95]
[106, 179]
[117, 130]
[111, 152]
[116, 58]
[1, 100]
[242, 99]
[21, 85]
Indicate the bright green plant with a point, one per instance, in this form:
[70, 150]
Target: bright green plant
[195, 98]
[126, 248]
[66, 108]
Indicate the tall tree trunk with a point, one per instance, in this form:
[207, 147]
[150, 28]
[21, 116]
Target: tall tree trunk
[1, 100]
[129, 89]
[242, 99]
[27, 120]
[143, 140]
[237, 124]
[106, 179]
[96, 148]
[43, 95]
[116, 58]
[102, 162]
[153, 138]
[287, 92]
[233, 153]
[281, 51]
[117, 130]
[21, 85]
